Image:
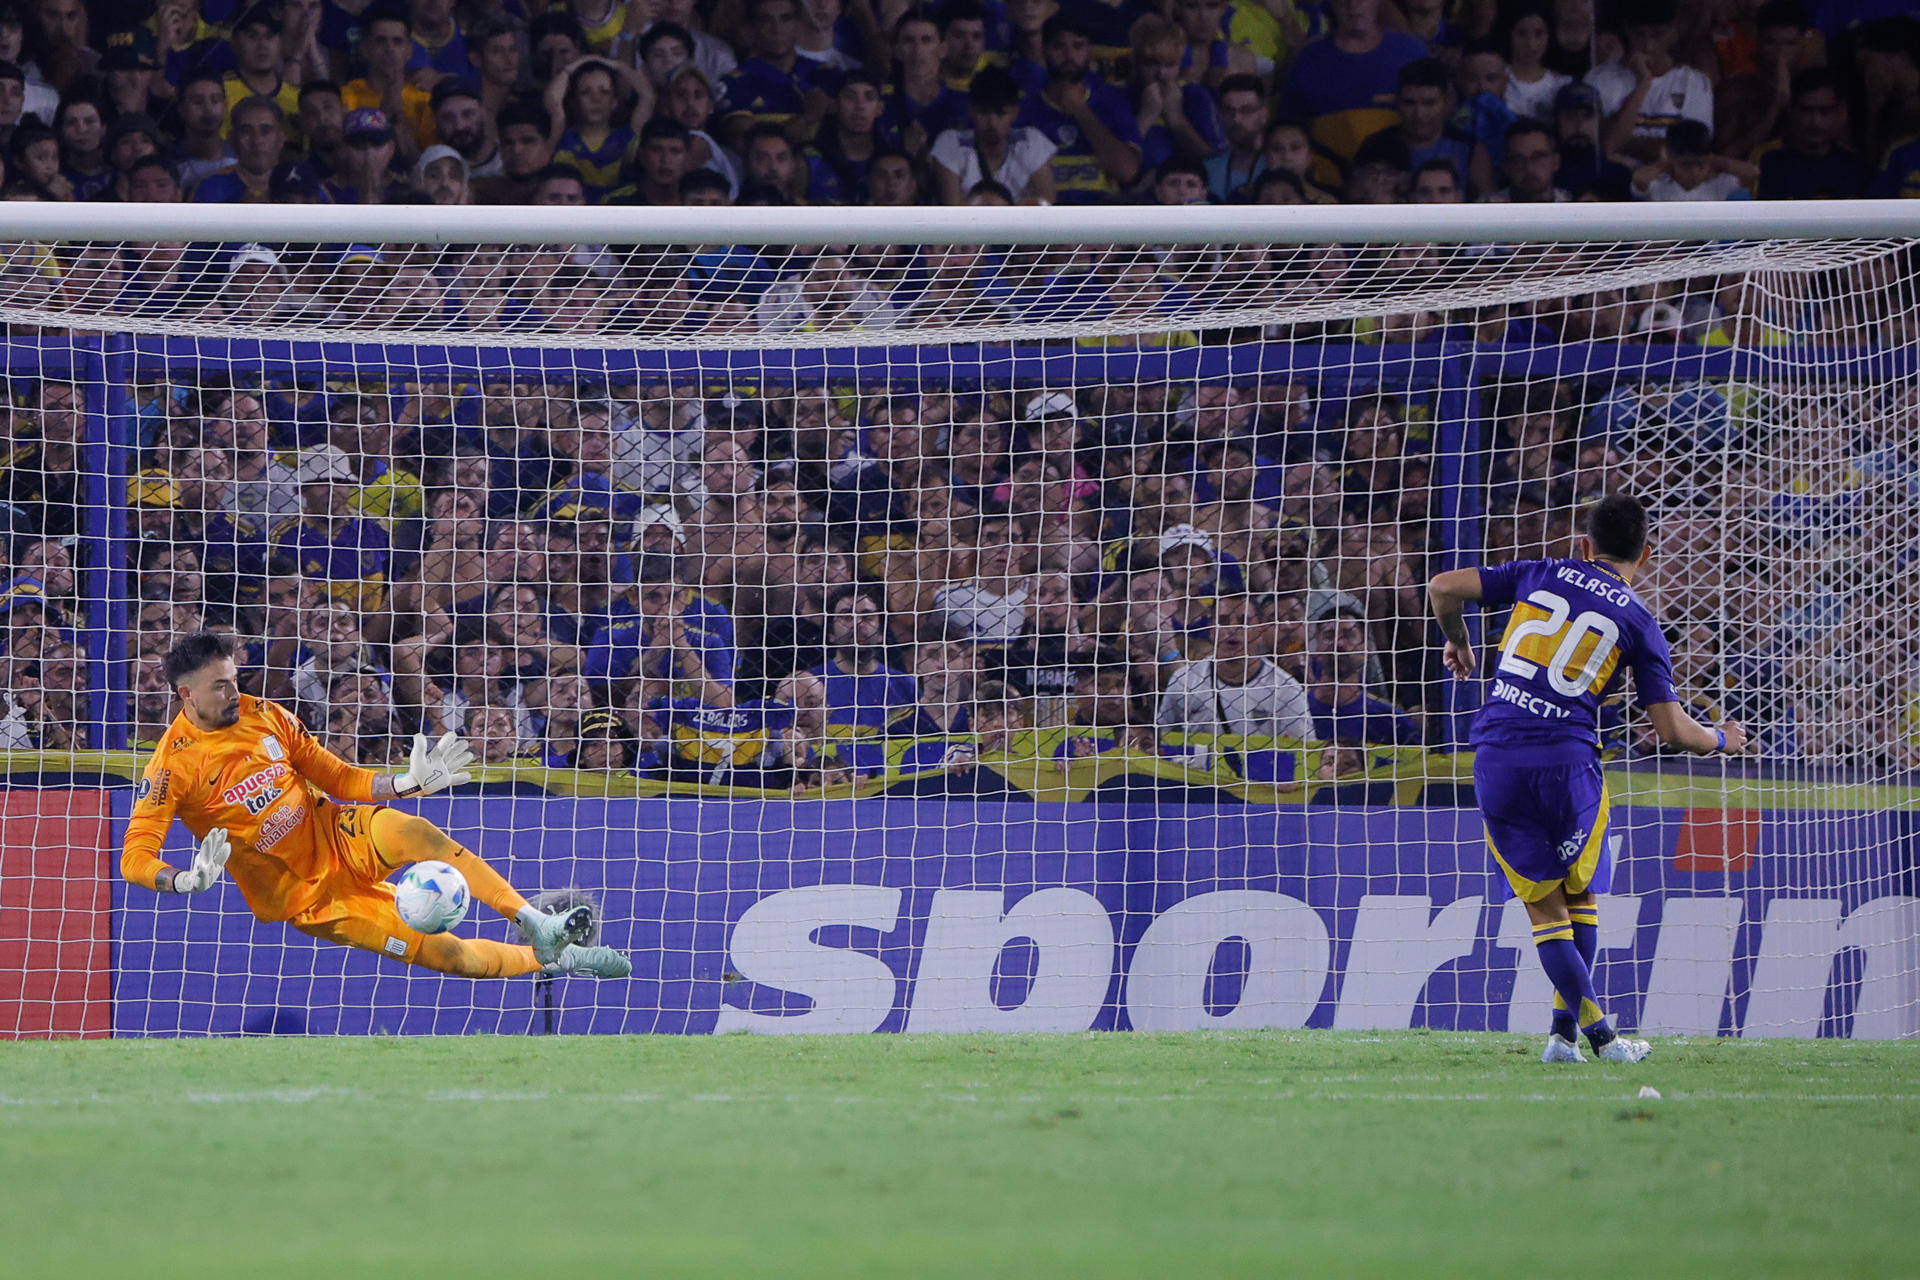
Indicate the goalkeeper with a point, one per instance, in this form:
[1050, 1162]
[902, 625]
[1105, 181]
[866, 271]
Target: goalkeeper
[310, 841]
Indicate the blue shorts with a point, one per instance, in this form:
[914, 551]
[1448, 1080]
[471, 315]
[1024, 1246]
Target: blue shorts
[1546, 825]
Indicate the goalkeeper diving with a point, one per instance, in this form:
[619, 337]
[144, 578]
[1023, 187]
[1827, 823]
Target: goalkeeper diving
[309, 839]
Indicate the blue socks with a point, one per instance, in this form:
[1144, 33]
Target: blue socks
[1572, 981]
[1586, 940]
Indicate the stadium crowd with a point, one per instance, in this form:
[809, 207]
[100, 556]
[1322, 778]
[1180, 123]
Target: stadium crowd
[754, 587]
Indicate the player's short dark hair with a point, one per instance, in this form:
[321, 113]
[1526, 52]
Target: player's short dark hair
[1617, 526]
[201, 649]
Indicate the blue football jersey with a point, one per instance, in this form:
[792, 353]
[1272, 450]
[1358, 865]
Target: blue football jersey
[1576, 625]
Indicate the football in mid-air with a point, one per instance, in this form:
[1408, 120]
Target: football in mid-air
[432, 896]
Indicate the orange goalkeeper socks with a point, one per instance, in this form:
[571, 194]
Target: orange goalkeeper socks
[474, 957]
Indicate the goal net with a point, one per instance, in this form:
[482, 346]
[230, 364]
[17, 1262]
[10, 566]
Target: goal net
[982, 619]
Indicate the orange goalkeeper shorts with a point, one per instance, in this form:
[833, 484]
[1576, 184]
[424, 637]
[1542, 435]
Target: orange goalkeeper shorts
[355, 908]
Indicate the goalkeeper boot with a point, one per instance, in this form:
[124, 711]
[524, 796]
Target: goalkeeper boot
[1621, 1049]
[1561, 1049]
[592, 962]
[551, 934]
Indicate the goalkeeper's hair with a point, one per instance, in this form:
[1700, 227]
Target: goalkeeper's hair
[194, 652]
[1617, 526]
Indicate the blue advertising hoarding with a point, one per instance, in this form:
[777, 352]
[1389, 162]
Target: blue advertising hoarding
[776, 916]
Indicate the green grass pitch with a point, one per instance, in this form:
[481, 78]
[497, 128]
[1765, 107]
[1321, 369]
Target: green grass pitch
[1215, 1154]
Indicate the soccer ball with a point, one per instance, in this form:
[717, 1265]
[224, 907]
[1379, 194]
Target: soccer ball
[432, 896]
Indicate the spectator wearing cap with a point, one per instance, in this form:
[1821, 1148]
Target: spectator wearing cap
[1532, 162]
[200, 106]
[439, 46]
[1811, 162]
[1173, 116]
[365, 175]
[1576, 124]
[463, 124]
[130, 64]
[1425, 102]
[442, 175]
[259, 139]
[1688, 169]
[775, 85]
[1019, 157]
[327, 543]
[1090, 123]
[1647, 91]
[295, 182]
[1343, 84]
[386, 46]
[590, 135]
[257, 287]
[257, 63]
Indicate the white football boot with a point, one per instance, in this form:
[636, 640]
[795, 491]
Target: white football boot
[1561, 1049]
[1621, 1049]
[592, 962]
[549, 935]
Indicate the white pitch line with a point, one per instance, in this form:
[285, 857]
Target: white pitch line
[327, 1093]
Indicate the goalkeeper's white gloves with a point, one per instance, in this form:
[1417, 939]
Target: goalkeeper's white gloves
[434, 768]
[207, 864]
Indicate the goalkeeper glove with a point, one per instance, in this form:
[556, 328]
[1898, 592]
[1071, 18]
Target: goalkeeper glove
[434, 768]
[207, 864]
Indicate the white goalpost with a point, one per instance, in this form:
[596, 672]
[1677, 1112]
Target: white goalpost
[967, 619]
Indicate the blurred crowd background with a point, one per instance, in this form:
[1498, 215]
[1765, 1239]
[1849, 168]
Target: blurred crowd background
[783, 585]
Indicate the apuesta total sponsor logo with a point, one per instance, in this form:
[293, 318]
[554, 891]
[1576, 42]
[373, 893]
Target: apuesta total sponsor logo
[1393, 944]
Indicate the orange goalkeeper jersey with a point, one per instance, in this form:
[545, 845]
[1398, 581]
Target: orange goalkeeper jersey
[263, 779]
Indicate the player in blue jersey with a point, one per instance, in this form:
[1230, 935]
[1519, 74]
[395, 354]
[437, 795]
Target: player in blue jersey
[1576, 625]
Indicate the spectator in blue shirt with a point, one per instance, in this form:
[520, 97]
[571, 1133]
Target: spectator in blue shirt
[259, 139]
[920, 104]
[775, 85]
[1244, 116]
[1344, 83]
[664, 631]
[1174, 117]
[350, 554]
[1343, 710]
[439, 46]
[862, 690]
[1089, 122]
[1425, 103]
